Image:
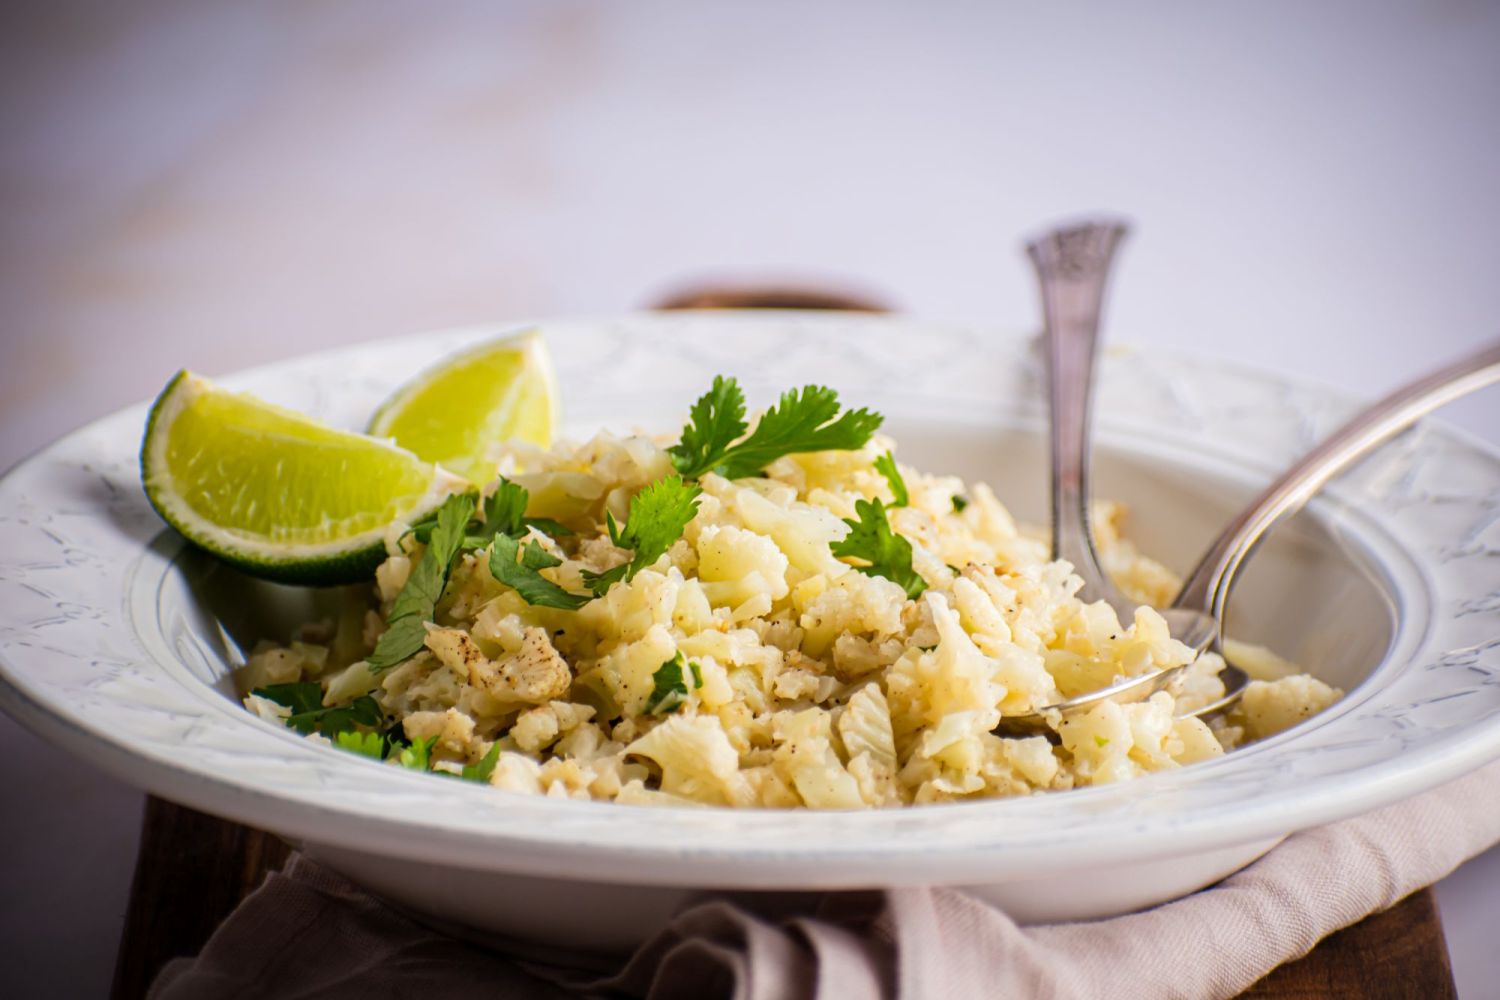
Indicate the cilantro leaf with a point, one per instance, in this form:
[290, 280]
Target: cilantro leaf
[600, 583]
[417, 756]
[505, 510]
[889, 555]
[401, 640]
[304, 697]
[806, 419]
[481, 771]
[533, 556]
[421, 529]
[959, 503]
[716, 420]
[518, 569]
[670, 686]
[362, 711]
[368, 744]
[886, 466]
[308, 714]
[547, 526]
[424, 586]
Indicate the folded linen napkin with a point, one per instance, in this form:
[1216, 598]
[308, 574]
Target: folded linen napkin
[309, 933]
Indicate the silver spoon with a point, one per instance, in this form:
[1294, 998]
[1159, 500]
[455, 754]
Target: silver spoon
[1208, 584]
[1072, 264]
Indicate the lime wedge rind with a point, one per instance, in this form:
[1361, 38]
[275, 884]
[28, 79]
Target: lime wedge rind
[340, 558]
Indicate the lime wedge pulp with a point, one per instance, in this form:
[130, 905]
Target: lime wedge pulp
[276, 493]
[452, 413]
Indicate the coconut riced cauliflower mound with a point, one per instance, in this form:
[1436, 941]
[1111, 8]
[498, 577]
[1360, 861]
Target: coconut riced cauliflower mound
[750, 666]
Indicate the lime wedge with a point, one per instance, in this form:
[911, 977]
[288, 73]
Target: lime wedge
[450, 414]
[276, 493]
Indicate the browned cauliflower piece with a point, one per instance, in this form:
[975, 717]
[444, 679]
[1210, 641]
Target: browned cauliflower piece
[535, 673]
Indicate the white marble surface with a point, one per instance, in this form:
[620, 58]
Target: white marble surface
[216, 185]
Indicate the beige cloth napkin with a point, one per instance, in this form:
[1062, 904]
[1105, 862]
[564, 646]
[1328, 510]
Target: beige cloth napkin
[309, 933]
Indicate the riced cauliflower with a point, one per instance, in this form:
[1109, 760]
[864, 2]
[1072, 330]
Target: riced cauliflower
[835, 631]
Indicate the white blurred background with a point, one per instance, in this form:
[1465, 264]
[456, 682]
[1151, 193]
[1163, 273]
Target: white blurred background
[214, 185]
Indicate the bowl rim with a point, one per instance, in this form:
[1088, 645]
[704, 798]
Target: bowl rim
[490, 829]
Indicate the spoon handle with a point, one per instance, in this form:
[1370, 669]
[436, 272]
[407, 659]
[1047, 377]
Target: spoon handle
[1207, 586]
[1072, 266]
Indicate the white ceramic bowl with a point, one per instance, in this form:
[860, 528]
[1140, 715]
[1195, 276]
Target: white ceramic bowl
[116, 641]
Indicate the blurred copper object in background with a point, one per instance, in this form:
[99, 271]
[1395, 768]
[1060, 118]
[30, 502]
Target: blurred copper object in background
[771, 296]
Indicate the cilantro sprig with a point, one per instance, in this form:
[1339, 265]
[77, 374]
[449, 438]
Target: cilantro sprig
[886, 466]
[715, 421]
[885, 553]
[806, 419]
[658, 516]
[406, 629]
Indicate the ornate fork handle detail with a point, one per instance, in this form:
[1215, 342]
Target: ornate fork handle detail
[1072, 266]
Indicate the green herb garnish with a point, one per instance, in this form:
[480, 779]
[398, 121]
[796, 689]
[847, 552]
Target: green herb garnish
[406, 633]
[806, 419]
[305, 700]
[658, 515]
[301, 698]
[888, 554]
[959, 503]
[670, 686]
[417, 755]
[518, 567]
[362, 711]
[504, 513]
[368, 744]
[505, 510]
[547, 526]
[481, 771]
[886, 466]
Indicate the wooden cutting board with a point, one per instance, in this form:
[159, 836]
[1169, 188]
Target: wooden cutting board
[193, 868]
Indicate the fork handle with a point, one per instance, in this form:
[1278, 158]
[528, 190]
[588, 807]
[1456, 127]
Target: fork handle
[1072, 266]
